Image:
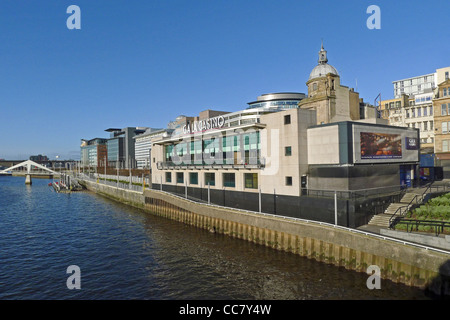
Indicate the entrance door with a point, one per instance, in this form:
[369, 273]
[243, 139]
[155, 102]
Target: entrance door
[405, 176]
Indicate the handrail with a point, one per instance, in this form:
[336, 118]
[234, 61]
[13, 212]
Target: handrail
[384, 205]
[439, 224]
[393, 220]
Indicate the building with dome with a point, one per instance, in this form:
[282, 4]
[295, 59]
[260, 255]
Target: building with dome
[332, 101]
[287, 152]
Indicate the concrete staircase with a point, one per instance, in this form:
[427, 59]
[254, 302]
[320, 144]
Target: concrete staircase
[382, 219]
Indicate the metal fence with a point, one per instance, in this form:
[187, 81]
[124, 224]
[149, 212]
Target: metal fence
[353, 194]
[137, 184]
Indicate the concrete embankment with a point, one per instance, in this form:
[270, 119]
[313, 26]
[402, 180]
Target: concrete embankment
[400, 262]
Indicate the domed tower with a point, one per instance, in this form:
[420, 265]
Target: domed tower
[331, 101]
[323, 76]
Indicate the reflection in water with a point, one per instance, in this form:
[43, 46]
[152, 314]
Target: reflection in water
[126, 253]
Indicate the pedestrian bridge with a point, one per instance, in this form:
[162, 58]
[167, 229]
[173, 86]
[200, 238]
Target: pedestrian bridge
[32, 168]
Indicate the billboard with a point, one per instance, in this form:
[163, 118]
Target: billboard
[380, 145]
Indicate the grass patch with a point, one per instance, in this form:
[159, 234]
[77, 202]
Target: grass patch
[437, 209]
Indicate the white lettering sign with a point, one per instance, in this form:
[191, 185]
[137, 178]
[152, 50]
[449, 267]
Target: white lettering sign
[203, 125]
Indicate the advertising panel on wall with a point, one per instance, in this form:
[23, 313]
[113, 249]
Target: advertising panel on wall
[376, 145]
[385, 144]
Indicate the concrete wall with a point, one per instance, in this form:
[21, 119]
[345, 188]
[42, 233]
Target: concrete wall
[323, 145]
[354, 177]
[132, 198]
[355, 251]
[274, 139]
[428, 240]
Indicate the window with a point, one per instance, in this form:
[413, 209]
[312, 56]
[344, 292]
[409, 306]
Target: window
[446, 75]
[413, 113]
[168, 176]
[251, 180]
[444, 127]
[431, 125]
[180, 177]
[229, 180]
[193, 177]
[210, 178]
[288, 151]
[419, 112]
[289, 181]
[424, 111]
[287, 119]
[445, 92]
[445, 145]
[443, 109]
[431, 110]
[314, 86]
[425, 127]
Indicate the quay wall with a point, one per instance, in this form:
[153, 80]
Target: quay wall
[398, 261]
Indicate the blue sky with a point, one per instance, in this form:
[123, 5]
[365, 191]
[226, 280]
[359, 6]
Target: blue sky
[143, 63]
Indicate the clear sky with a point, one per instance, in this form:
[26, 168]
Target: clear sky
[143, 63]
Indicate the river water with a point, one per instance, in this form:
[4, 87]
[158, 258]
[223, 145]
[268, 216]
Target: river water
[126, 253]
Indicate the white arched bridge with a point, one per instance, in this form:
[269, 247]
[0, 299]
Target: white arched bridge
[32, 168]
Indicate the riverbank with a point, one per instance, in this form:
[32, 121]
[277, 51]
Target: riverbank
[398, 261]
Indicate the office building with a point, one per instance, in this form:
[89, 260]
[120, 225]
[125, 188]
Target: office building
[414, 85]
[420, 84]
[93, 152]
[121, 146]
[143, 146]
[38, 158]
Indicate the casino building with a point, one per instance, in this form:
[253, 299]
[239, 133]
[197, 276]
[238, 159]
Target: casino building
[283, 146]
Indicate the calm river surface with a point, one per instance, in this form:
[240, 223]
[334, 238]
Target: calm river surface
[125, 253]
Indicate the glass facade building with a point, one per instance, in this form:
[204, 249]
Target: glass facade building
[415, 85]
[235, 149]
[115, 150]
[93, 152]
[279, 101]
[121, 146]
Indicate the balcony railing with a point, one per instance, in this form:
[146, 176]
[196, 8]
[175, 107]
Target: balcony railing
[250, 164]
